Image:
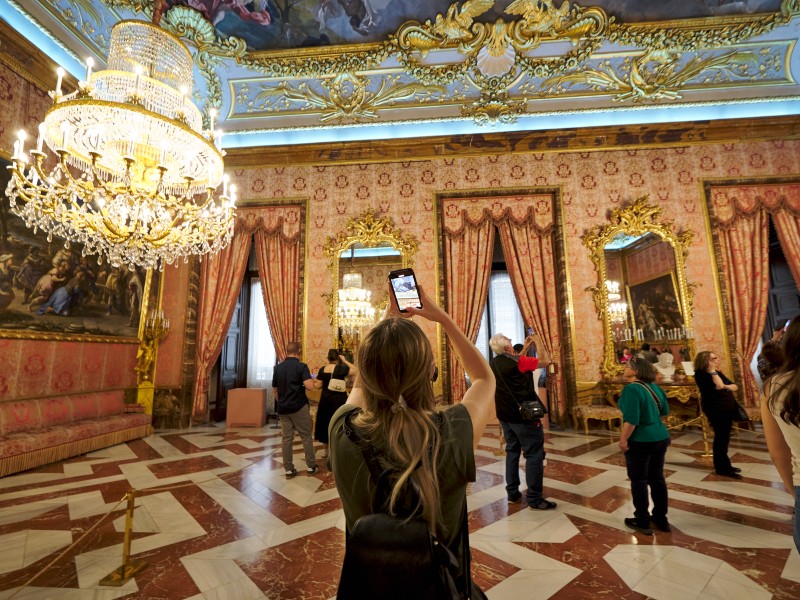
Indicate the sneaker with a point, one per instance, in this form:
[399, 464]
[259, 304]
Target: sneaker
[290, 473]
[661, 525]
[543, 504]
[515, 497]
[312, 470]
[634, 524]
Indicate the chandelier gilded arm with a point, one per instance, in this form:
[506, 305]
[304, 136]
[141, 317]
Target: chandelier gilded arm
[136, 173]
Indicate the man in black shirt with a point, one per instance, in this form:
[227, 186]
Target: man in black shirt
[290, 382]
[514, 384]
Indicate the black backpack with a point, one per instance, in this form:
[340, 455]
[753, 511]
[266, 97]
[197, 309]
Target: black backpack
[398, 557]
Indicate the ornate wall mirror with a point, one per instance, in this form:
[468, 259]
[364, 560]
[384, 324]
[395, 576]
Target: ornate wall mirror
[359, 261]
[641, 293]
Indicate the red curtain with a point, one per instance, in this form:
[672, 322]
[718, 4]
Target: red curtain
[278, 234]
[528, 250]
[745, 257]
[220, 283]
[787, 224]
[279, 270]
[468, 262]
[525, 223]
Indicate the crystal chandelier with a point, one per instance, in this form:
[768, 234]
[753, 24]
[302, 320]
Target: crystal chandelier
[354, 310]
[134, 172]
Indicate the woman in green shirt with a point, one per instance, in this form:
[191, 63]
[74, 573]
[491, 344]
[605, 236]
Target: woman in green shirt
[645, 440]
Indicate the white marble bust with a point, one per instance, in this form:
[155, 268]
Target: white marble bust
[664, 366]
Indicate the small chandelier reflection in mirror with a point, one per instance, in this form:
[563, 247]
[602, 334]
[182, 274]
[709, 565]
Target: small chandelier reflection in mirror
[135, 172]
[618, 311]
[354, 310]
[612, 287]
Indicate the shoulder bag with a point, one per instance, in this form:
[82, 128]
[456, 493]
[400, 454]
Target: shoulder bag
[529, 410]
[335, 384]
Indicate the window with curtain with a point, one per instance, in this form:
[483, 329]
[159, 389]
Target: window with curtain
[261, 355]
[501, 315]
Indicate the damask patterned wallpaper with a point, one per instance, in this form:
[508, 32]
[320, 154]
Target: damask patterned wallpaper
[650, 262]
[591, 184]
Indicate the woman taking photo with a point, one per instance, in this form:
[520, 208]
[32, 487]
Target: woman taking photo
[719, 406]
[425, 451]
[780, 414]
[330, 400]
[644, 440]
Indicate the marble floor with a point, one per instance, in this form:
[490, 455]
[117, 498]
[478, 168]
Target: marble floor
[216, 518]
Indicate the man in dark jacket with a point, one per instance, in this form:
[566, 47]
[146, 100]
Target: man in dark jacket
[515, 384]
[290, 382]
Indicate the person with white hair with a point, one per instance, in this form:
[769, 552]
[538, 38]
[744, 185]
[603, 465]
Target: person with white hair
[514, 385]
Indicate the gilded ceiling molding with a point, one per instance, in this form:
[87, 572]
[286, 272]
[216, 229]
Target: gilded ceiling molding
[497, 77]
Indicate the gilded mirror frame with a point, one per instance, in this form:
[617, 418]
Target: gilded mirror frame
[370, 231]
[637, 218]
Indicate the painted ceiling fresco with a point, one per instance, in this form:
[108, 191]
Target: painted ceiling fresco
[300, 71]
[272, 24]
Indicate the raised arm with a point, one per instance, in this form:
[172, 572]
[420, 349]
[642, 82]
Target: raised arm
[479, 398]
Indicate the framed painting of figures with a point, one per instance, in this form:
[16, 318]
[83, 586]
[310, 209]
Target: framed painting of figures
[654, 305]
[51, 290]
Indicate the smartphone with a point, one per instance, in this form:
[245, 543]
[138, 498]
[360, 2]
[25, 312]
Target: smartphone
[404, 288]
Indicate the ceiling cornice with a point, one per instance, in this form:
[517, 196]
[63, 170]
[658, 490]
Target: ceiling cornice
[27, 61]
[555, 140]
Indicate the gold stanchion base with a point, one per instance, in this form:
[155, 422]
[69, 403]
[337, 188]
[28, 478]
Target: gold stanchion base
[121, 575]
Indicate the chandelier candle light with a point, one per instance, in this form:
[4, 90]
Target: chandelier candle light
[354, 310]
[136, 173]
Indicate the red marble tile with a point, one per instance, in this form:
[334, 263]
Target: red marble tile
[488, 571]
[306, 568]
[189, 465]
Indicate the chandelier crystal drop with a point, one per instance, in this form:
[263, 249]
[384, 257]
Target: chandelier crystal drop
[134, 174]
[354, 310]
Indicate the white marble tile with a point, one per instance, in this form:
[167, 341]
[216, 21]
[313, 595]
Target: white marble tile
[727, 533]
[41, 543]
[661, 588]
[791, 570]
[209, 574]
[13, 555]
[28, 510]
[532, 584]
[233, 550]
[241, 589]
[521, 557]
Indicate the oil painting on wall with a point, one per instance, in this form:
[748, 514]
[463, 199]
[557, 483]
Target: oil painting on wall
[49, 289]
[655, 306]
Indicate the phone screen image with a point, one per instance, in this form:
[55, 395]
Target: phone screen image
[404, 286]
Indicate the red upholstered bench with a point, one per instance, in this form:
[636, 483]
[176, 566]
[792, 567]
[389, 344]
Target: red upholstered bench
[38, 431]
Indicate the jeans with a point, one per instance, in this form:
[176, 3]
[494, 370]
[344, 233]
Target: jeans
[300, 421]
[645, 463]
[529, 438]
[797, 517]
[722, 436]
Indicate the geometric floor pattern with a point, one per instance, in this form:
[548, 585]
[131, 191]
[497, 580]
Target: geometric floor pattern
[215, 518]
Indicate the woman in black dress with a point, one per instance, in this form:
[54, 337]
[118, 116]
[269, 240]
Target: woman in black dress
[719, 405]
[330, 400]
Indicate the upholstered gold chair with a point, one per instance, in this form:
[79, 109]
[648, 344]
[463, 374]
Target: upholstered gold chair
[587, 410]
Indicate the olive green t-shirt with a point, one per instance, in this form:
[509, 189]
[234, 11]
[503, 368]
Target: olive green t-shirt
[456, 467]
